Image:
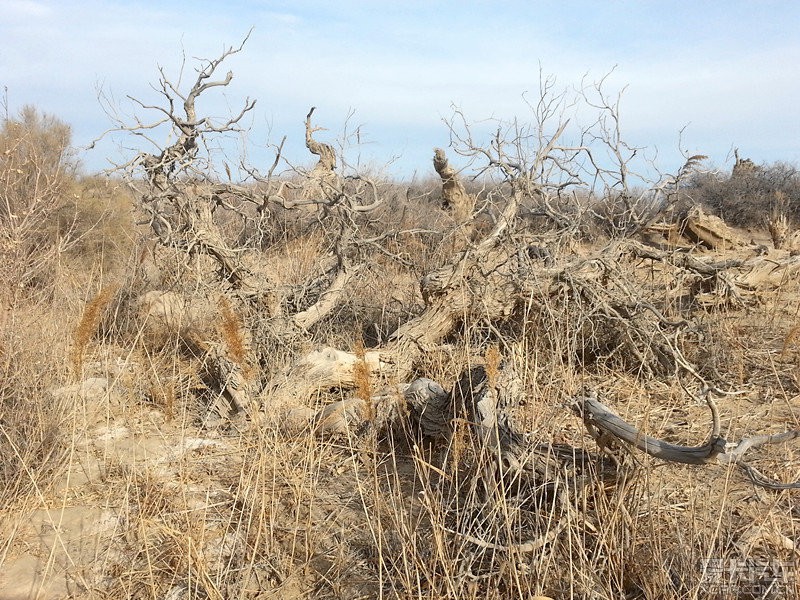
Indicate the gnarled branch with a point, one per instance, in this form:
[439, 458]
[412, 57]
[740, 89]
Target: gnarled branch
[598, 416]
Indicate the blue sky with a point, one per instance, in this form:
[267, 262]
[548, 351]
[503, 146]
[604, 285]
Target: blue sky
[729, 72]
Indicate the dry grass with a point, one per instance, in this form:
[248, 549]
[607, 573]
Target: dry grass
[232, 332]
[88, 325]
[122, 493]
[269, 515]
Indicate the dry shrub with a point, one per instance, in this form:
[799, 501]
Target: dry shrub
[37, 168]
[750, 199]
[95, 226]
[51, 241]
[620, 215]
[38, 165]
[52, 221]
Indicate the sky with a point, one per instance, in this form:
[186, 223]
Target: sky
[695, 77]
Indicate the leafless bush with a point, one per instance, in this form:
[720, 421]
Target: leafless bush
[37, 170]
[60, 235]
[752, 198]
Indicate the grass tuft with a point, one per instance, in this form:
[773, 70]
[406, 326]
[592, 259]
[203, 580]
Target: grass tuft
[87, 326]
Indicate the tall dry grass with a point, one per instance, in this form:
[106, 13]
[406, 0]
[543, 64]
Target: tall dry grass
[265, 513]
[45, 271]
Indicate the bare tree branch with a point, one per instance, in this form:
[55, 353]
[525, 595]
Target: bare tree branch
[598, 417]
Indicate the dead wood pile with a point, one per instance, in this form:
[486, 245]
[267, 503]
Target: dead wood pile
[595, 299]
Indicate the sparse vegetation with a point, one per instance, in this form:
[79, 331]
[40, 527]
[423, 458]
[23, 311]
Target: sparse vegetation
[752, 197]
[317, 383]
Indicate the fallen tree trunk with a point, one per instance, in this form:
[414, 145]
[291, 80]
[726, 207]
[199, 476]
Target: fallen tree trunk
[723, 281]
[710, 231]
[478, 282]
[486, 402]
[490, 280]
[598, 417]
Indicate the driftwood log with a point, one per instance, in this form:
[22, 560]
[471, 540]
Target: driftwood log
[601, 419]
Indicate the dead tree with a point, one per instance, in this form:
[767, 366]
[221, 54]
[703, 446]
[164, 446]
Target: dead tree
[624, 197]
[322, 178]
[185, 203]
[489, 280]
[485, 280]
[454, 196]
[742, 167]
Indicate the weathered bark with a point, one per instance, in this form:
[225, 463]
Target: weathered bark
[481, 281]
[424, 399]
[710, 231]
[203, 236]
[665, 236]
[485, 398]
[684, 260]
[329, 368]
[509, 460]
[322, 180]
[598, 417]
[454, 197]
[431, 408]
[488, 282]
